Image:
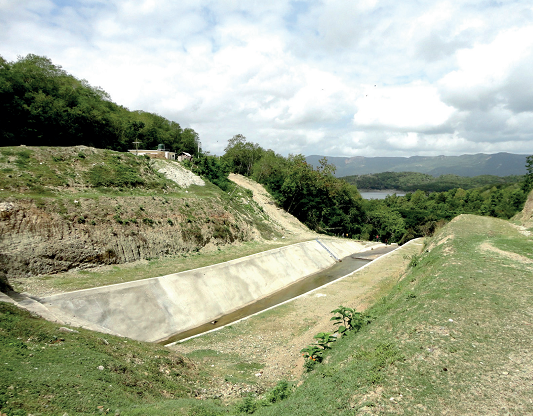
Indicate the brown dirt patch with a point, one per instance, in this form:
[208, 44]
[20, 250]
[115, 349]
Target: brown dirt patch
[512, 256]
[288, 223]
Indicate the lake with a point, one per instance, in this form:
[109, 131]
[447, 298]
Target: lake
[372, 194]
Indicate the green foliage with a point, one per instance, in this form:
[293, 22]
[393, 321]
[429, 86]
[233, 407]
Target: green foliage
[324, 339]
[49, 371]
[413, 181]
[241, 154]
[281, 392]
[417, 214]
[42, 103]
[249, 404]
[318, 199]
[347, 319]
[315, 353]
[212, 169]
[114, 174]
[527, 185]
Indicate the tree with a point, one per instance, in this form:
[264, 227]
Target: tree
[527, 185]
[241, 154]
[190, 142]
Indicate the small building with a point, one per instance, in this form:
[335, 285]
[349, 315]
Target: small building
[160, 153]
[184, 156]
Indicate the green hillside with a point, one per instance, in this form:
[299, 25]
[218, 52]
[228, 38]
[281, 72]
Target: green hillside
[80, 207]
[413, 181]
[453, 337]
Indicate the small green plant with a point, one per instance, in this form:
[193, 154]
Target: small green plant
[279, 393]
[347, 319]
[324, 339]
[248, 405]
[170, 222]
[414, 260]
[148, 221]
[314, 353]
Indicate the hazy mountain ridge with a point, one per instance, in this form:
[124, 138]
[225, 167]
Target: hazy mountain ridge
[499, 164]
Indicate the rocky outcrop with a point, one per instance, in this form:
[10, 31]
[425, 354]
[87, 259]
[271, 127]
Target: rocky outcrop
[51, 235]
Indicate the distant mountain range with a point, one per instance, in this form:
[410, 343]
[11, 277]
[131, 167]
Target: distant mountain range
[499, 164]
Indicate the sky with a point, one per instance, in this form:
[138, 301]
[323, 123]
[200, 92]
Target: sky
[329, 77]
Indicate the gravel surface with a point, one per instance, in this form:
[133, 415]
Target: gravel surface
[177, 173]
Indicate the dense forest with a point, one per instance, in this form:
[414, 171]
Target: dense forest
[413, 181]
[45, 106]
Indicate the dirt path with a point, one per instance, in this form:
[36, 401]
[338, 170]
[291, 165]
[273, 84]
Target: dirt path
[289, 224]
[252, 355]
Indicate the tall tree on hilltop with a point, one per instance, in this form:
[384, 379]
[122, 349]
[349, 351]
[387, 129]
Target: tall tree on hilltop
[527, 185]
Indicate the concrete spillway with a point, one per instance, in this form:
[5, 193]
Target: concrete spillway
[157, 309]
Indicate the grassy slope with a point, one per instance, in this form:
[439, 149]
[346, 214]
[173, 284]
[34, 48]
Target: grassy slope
[47, 371]
[478, 363]
[454, 337]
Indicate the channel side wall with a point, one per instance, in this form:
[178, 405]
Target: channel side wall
[157, 308]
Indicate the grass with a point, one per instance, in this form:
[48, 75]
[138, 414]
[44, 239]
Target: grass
[453, 337]
[86, 190]
[45, 370]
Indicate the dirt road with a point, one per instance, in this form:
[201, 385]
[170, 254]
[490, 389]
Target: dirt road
[289, 225]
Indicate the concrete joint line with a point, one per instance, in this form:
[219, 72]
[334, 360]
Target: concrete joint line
[328, 250]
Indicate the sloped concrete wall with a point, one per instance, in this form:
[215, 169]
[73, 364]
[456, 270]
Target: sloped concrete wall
[155, 309]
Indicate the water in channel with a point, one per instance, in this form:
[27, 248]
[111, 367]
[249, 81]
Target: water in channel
[346, 266]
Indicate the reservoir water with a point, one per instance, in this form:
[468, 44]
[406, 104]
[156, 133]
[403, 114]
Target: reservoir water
[346, 266]
[373, 194]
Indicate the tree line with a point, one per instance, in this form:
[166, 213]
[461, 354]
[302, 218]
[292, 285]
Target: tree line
[413, 181]
[43, 105]
[334, 206]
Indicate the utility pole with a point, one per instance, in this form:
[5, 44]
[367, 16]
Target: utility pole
[136, 143]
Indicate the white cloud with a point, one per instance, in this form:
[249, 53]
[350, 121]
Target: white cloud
[451, 77]
[413, 107]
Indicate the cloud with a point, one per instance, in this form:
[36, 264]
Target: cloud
[411, 107]
[298, 76]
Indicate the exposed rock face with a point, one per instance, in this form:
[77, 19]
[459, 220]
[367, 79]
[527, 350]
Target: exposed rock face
[53, 235]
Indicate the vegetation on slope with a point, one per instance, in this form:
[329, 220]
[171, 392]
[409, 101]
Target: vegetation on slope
[49, 369]
[330, 205]
[77, 207]
[413, 181]
[453, 337]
